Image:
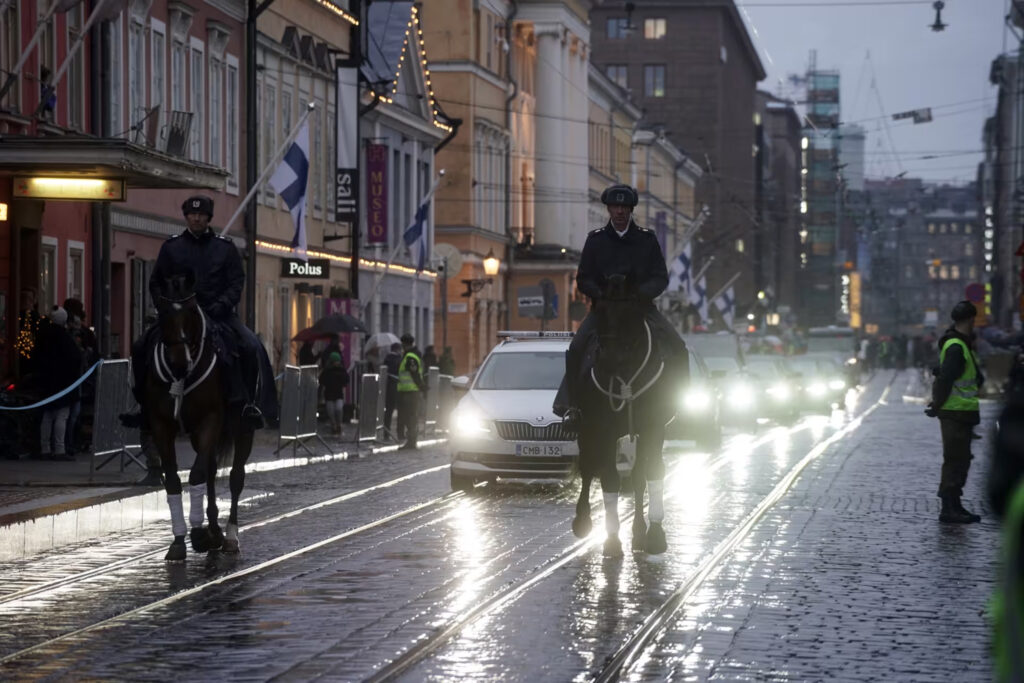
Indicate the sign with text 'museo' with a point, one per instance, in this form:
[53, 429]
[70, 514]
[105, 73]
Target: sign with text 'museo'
[316, 268]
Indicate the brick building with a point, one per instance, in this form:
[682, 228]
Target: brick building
[693, 70]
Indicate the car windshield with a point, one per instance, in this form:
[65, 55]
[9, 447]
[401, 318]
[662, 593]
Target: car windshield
[807, 366]
[727, 365]
[765, 369]
[522, 370]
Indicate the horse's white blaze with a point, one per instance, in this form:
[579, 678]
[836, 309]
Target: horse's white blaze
[195, 509]
[656, 500]
[177, 514]
[611, 513]
[232, 532]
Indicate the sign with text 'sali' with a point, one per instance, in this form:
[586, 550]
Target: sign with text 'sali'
[377, 194]
[315, 268]
[346, 179]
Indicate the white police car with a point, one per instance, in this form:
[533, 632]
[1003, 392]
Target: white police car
[503, 426]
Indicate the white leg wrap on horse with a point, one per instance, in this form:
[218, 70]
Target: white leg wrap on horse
[177, 514]
[232, 532]
[656, 502]
[195, 510]
[611, 513]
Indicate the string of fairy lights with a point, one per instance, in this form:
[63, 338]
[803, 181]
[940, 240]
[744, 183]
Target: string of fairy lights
[414, 25]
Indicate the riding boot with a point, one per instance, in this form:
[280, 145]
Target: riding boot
[252, 416]
[952, 512]
[960, 508]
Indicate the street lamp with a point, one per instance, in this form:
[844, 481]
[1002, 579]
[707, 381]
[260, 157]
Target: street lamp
[491, 267]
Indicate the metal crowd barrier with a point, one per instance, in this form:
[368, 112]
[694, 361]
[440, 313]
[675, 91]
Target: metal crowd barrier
[369, 414]
[433, 406]
[299, 393]
[114, 396]
[445, 401]
[382, 391]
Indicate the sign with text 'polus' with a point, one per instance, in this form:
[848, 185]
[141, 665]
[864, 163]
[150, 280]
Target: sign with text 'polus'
[315, 269]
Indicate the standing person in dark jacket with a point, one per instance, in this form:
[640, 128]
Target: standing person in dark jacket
[392, 361]
[219, 279]
[306, 354]
[60, 365]
[333, 380]
[955, 403]
[621, 247]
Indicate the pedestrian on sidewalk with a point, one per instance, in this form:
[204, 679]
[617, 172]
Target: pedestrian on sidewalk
[955, 403]
[410, 385]
[333, 380]
[60, 364]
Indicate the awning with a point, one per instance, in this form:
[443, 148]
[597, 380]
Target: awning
[87, 157]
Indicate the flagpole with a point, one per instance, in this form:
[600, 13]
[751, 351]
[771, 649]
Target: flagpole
[394, 252]
[51, 87]
[707, 264]
[266, 171]
[726, 286]
[40, 27]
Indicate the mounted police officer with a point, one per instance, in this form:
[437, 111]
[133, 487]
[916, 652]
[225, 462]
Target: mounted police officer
[219, 281]
[955, 403]
[621, 247]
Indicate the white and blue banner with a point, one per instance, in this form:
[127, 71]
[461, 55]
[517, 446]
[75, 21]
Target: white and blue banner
[415, 236]
[289, 181]
[679, 271]
[726, 305]
[699, 297]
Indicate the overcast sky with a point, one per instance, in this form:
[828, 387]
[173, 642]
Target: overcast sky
[913, 67]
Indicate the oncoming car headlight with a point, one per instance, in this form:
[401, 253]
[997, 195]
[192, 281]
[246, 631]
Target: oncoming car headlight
[779, 392]
[469, 422]
[696, 400]
[740, 396]
[837, 385]
[817, 389]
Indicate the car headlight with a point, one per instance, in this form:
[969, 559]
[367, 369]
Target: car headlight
[696, 400]
[837, 385]
[469, 422]
[740, 396]
[779, 392]
[817, 389]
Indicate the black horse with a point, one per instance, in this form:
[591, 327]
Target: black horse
[626, 398]
[186, 386]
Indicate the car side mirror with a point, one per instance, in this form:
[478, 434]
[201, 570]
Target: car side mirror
[461, 383]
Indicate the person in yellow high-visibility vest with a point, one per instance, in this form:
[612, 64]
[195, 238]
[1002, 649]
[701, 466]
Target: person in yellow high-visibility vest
[410, 386]
[955, 403]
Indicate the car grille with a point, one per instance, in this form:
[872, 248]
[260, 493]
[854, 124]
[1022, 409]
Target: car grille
[524, 431]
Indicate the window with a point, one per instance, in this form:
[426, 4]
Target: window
[617, 28]
[954, 272]
[268, 118]
[942, 228]
[75, 72]
[216, 111]
[617, 74]
[944, 272]
[76, 270]
[654, 80]
[196, 73]
[740, 246]
[654, 29]
[954, 228]
[10, 50]
[178, 77]
[968, 249]
[136, 74]
[158, 71]
[968, 229]
[931, 228]
[231, 121]
[908, 272]
[113, 67]
[973, 272]
[48, 275]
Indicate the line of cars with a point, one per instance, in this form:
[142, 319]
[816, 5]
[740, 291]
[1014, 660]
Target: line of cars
[503, 425]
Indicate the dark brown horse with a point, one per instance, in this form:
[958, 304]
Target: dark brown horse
[626, 399]
[186, 388]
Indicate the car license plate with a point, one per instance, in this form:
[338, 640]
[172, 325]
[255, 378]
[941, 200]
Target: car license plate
[538, 449]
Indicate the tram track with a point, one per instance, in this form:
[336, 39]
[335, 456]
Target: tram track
[623, 658]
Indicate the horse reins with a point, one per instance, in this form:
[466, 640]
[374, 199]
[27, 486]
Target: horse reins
[177, 389]
[627, 396]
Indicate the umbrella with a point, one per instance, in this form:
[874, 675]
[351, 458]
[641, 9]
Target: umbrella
[381, 340]
[338, 323]
[310, 334]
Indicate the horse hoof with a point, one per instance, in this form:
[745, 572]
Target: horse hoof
[216, 537]
[230, 547]
[612, 547]
[639, 535]
[176, 553]
[656, 543]
[202, 541]
[581, 526]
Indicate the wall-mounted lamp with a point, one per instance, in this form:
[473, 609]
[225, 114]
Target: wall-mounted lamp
[491, 267]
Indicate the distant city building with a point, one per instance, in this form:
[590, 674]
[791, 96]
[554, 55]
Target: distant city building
[851, 156]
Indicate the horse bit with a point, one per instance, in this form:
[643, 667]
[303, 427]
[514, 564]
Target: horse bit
[177, 389]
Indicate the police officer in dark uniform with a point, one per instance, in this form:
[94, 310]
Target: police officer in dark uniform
[621, 247]
[219, 281]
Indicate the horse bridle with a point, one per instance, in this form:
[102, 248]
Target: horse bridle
[177, 387]
[626, 395]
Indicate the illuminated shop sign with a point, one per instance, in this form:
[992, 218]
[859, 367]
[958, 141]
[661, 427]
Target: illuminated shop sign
[71, 189]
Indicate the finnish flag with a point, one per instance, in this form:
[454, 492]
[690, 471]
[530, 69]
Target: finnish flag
[726, 305]
[699, 297]
[415, 236]
[679, 271]
[289, 181]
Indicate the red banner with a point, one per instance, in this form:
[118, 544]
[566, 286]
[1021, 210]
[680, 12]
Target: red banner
[377, 194]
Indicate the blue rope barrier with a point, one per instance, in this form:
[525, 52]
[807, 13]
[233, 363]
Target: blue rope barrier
[63, 393]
